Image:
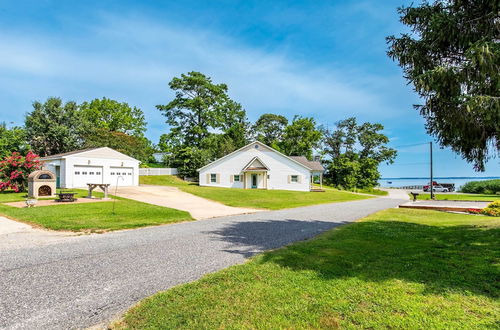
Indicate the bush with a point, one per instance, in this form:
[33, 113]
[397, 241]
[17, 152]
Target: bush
[482, 187]
[15, 169]
[492, 210]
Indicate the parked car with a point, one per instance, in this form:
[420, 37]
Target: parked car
[436, 188]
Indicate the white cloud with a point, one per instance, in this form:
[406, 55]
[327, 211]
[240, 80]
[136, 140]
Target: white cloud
[139, 57]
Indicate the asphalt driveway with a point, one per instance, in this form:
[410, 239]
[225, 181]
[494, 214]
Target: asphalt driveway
[87, 280]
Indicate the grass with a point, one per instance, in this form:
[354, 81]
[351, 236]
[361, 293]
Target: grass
[395, 269]
[459, 197]
[254, 198]
[92, 217]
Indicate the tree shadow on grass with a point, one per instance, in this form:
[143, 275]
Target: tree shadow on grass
[452, 258]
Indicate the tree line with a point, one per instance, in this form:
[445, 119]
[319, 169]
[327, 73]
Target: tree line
[204, 124]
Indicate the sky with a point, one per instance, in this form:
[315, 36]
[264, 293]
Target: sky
[325, 59]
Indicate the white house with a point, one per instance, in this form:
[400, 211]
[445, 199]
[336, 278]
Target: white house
[97, 165]
[257, 166]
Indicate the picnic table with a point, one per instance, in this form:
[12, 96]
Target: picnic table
[103, 186]
[66, 197]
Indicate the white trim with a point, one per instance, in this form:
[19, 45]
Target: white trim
[262, 144]
[250, 163]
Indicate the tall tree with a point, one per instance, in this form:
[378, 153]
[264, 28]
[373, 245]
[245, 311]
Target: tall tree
[199, 106]
[300, 137]
[53, 127]
[452, 58]
[205, 123]
[113, 116]
[269, 128]
[355, 152]
[12, 139]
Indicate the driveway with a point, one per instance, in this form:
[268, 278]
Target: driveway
[87, 280]
[200, 208]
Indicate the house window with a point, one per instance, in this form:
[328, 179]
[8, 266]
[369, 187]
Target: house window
[112, 173]
[268, 176]
[130, 174]
[91, 173]
[236, 178]
[77, 173]
[213, 177]
[294, 178]
[84, 173]
[98, 173]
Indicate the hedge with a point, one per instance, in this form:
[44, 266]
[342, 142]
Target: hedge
[482, 187]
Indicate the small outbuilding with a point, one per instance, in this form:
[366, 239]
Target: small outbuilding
[41, 184]
[104, 165]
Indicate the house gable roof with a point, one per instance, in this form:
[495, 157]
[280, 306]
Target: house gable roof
[251, 143]
[255, 164]
[101, 152]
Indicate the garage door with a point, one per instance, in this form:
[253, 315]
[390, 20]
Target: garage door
[127, 173]
[86, 174]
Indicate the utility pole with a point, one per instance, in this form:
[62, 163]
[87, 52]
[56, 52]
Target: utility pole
[432, 179]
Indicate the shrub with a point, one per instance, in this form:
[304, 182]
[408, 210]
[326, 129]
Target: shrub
[15, 169]
[482, 187]
[492, 209]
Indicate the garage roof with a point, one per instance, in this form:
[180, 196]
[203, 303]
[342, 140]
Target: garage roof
[101, 152]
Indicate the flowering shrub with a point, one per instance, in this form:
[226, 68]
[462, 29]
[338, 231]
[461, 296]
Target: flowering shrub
[15, 169]
[492, 209]
[474, 211]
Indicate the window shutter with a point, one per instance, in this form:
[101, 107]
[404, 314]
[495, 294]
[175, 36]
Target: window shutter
[208, 178]
[231, 178]
[217, 178]
[299, 178]
[289, 179]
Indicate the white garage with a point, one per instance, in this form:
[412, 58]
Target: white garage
[97, 165]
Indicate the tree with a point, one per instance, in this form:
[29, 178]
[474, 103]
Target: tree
[137, 147]
[12, 139]
[53, 127]
[198, 107]
[300, 137]
[452, 58]
[355, 152]
[15, 169]
[205, 123]
[113, 116]
[269, 128]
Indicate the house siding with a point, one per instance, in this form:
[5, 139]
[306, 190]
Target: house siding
[280, 168]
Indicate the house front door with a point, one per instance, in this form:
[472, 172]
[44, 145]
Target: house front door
[254, 181]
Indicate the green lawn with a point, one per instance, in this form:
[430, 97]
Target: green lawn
[254, 198]
[459, 197]
[92, 217]
[405, 269]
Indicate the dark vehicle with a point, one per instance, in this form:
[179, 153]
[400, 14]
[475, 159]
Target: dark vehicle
[440, 187]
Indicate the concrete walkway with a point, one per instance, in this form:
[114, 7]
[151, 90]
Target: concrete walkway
[88, 280]
[200, 208]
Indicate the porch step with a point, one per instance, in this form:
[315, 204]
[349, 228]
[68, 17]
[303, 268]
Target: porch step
[317, 190]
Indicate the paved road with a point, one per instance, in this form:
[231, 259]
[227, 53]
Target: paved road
[88, 280]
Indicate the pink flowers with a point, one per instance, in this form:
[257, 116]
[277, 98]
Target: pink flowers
[15, 169]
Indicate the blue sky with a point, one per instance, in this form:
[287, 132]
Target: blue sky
[324, 59]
